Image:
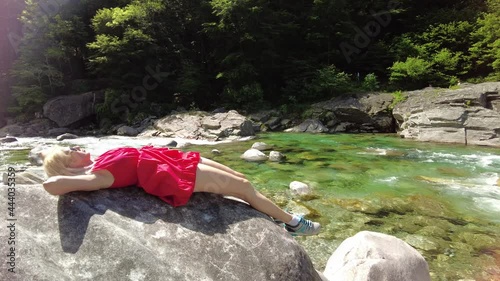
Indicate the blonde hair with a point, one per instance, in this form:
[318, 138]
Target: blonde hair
[56, 162]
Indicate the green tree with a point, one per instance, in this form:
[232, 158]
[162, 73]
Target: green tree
[36, 73]
[414, 72]
[486, 48]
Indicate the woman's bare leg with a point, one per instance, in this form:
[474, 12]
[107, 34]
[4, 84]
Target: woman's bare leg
[220, 166]
[211, 179]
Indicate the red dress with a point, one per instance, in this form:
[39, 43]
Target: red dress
[167, 173]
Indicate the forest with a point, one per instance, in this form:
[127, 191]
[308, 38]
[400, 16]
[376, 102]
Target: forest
[245, 54]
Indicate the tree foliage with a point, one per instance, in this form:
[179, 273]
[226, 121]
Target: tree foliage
[249, 54]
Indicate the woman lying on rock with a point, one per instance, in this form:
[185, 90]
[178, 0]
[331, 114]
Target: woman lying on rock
[170, 174]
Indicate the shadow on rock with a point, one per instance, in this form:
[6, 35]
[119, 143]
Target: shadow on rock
[205, 213]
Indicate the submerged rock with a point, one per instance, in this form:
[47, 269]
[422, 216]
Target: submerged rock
[125, 234]
[299, 188]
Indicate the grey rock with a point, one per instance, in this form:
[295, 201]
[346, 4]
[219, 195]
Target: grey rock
[203, 125]
[11, 130]
[246, 129]
[172, 143]
[125, 234]
[276, 156]
[254, 155]
[66, 136]
[469, 115]
[363, 112]
[274, 123]
[256, 127]
[299, 188]
[8, 139]
[309, 126]
[31, 176]
[58, 131]
[66, 110]
[372, 256]
[260, 145]
[30, 132]
[219, 110]
[264, 116]
[210, 123]
[127, 131]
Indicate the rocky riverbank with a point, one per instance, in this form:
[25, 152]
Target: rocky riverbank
[466, 115]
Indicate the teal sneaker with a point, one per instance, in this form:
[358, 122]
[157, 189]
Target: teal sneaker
[304, 228]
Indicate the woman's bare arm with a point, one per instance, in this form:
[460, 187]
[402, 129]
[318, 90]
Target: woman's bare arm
[59, 185]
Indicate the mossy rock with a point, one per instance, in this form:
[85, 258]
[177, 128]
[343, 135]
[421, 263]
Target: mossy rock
[478, 241]
[423, 243]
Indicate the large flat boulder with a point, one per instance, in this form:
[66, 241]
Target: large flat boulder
[125, 234]
[469, 115]
[202, 125]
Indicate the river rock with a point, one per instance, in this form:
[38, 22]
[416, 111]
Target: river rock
[66, 136]
[309, 126]
[372, 256]
[254, 155]
[11, 130]
[58, 131]
[125, 234]
[8, 139]
[356, 113]
[276, 156]
[299, 188]
[469, 115]
[66, 110]
[127, 131]
[260, 146]
[203, 125]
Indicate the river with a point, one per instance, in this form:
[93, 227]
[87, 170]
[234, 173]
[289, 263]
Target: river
[442, 199]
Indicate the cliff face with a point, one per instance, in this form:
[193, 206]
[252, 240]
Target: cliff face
[469, 115]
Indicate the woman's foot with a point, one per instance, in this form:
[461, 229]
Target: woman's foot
[304, 228]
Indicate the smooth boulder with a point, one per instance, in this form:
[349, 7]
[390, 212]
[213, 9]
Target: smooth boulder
[125, 234]
[254, 155]
[372, 256]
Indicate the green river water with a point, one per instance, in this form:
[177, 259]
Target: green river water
[442, 199]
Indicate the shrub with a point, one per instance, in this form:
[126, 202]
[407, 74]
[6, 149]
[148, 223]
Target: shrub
[370, 82]
[328, 81]
[414, 72]
[398, 97]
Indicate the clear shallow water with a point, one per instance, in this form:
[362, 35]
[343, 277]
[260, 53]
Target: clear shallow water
[442, 199]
